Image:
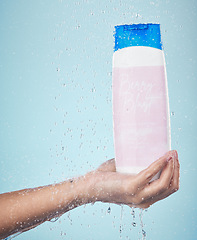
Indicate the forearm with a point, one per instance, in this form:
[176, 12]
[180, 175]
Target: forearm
[27, 208]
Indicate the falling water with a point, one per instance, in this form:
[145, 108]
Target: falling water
[142, 224]
[121, 217]
[133, 214]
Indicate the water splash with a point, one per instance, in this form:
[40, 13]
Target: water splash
[69, 218]
[133, 215]
[121, 218]
[142, 224]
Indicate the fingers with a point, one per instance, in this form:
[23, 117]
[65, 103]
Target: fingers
[176, 177]
[137, 190]
[173, 185]
[108, 166]
[162, 184]
[145, 176]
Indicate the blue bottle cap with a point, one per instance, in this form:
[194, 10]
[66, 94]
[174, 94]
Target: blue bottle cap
[137, 35]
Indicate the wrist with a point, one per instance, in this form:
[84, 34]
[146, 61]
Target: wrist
[91, 188]
[83, 189]
[97, 187]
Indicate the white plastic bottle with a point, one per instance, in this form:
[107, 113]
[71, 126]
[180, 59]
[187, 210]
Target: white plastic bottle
[140, 97]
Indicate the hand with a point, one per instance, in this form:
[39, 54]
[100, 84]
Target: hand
[137, 191]
[24, 209]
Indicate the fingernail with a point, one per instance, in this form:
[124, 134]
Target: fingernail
[169, 158]
[175, 154]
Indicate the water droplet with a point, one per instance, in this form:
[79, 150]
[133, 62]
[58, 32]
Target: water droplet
[78, 26]
[54, 219]
[63, 233]
[137, 15]
[133, 214]
[134, 224]
[110, 74]
[143, 233]
[109, 210]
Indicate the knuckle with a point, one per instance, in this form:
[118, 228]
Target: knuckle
[175, 187]
[164, 186]
[148, 175]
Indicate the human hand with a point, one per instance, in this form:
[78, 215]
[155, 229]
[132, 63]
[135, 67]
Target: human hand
[137, 190]
[27, 208]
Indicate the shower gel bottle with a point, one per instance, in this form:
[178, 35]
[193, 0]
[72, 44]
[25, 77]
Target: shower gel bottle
[140, 98]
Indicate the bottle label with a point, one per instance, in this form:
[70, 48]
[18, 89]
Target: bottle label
[140, 113]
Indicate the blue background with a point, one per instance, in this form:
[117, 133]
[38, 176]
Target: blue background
[56, 108]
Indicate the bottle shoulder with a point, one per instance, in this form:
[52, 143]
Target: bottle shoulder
[138, 56]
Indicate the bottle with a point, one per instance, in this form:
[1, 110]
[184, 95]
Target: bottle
[141, 120]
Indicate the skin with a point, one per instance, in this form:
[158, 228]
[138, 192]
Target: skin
[26, 209]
